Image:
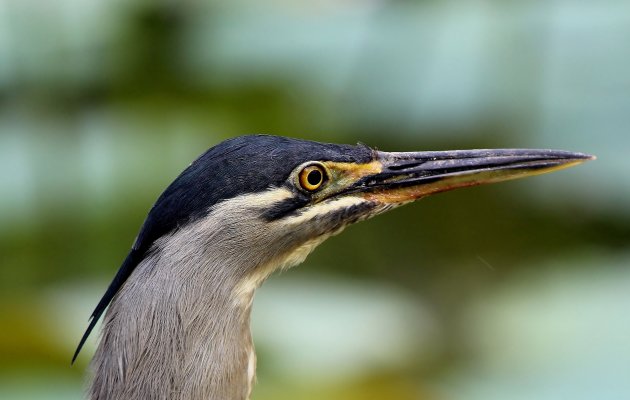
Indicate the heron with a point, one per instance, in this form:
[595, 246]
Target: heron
[177, 313]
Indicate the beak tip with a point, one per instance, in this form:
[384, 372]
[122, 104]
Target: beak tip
[585, 157]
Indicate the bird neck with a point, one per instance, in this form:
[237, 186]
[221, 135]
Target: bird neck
[179, 326]
[177, 329]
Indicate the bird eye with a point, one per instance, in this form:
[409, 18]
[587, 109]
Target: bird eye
[312, 177]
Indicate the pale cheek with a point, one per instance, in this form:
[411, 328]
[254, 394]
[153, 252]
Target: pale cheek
[299, 255]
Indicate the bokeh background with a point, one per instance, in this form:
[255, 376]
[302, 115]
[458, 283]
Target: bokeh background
[508, 292]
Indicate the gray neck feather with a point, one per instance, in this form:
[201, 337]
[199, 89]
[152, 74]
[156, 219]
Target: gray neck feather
[174, 334]
[178, 329]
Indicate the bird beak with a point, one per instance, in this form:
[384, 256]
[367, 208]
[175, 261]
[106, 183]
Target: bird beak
[405, 177]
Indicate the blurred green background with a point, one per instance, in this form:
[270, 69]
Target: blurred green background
[507, 292]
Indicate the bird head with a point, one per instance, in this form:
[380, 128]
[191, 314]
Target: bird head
[262, 203]
[271, 200]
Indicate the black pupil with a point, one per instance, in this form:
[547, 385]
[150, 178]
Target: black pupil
[314, 177]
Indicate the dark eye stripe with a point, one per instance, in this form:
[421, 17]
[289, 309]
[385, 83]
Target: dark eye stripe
[286, 207]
